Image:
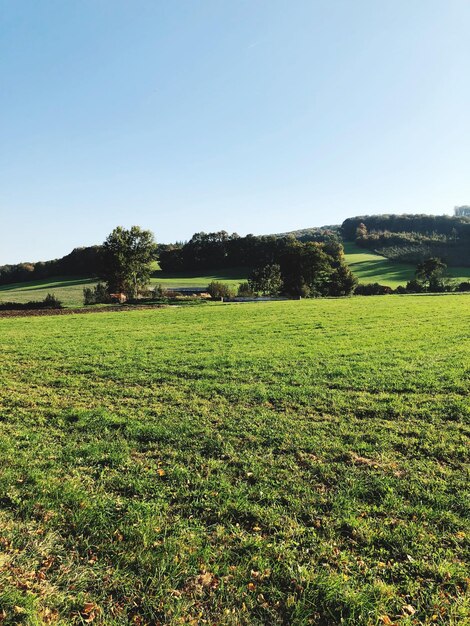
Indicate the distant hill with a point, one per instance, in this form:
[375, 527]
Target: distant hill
[401, 238]
[311, 234]
[412, 238]
[79, 262]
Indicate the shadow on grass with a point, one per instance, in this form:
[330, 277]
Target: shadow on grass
[49, 283]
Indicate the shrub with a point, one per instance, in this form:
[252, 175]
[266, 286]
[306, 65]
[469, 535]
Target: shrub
[414, 286]
[372, 289]
[245, 290]
[49, 302]
[401, 289]
[52, 302]
[159, 291]
[465, 286]
[98, 295]
[219, 290]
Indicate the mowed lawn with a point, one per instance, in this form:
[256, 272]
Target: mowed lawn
[284, 463]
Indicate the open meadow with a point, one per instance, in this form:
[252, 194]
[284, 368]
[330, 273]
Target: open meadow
[367, 266]
[69, 289]
[370, 267]
[282, 463]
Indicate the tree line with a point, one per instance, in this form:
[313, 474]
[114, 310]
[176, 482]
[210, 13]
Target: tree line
[222, 250]
[84, 262]
[80, 262]
[279, 265]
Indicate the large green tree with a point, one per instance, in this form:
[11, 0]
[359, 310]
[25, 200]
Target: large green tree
[267, 280]
[306, 269]
[127, 259]
[431, 272]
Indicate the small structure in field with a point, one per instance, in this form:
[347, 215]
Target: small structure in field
[118, 297]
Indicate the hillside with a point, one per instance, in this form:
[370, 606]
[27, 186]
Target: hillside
[381, 249]
[367, 266]
[412, 238]
[370, 267]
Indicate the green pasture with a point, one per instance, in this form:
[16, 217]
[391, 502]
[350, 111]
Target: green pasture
[70, 289]
[230, 276]
[283, 463]
[373, 268]
[368, 267]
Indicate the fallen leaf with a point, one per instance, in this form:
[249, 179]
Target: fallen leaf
[19, 609]
[409, 609]
[205, 579]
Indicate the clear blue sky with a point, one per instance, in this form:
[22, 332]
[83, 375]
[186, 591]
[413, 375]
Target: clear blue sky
[245, 115]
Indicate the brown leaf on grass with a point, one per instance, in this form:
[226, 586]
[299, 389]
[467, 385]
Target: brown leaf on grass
[49, 616]
[357, 459]
[19, 610]
[48, 562]
[205, 581]
[408, 608]
[89, 612]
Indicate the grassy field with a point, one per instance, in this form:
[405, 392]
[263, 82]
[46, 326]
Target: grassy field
[368, 267]
[284, 463]
[372, 268]
[70, 290]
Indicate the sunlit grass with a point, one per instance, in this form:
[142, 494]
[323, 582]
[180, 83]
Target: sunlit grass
[278, 463]
[373, 268]
[70, 289]
[368, 267]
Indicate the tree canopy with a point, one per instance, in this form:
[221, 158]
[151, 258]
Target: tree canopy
[127, 259]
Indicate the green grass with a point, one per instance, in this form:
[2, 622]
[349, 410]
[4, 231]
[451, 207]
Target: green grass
[368, 267]
[230, 276]
[285, 463]
[70, 289]
[373, 268]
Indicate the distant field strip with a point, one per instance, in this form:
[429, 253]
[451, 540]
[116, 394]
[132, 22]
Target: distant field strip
[70, 289]
[368, 267]
[287, 463]
[373, 268]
